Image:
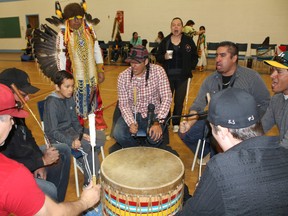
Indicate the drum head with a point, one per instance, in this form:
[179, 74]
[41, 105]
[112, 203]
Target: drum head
[142, 169]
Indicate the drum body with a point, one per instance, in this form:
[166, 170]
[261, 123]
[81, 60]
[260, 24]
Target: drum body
[142, 181]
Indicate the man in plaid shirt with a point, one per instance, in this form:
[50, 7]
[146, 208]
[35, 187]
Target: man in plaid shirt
[138, 86]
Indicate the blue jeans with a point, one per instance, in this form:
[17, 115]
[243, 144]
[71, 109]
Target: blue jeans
[48, 188]
[123, 136]
[196, 132]
[57, 174]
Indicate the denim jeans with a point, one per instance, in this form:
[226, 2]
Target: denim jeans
[196, 132]
[123, 136]
[86, 147]
[57, 174]
[48, 188]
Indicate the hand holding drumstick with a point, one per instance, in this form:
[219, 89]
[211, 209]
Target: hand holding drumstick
[186, 125]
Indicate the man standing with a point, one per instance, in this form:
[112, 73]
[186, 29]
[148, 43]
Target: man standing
[178, 55]
[141, 87]
[228, 74]
[250, 177]
[277, 112]
[79, 53]
[50, 166]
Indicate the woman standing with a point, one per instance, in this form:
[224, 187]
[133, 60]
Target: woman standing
[201, 49]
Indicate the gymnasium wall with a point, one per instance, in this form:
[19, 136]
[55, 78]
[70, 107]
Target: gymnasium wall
[236, 20]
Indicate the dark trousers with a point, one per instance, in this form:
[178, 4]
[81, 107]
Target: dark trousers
[178, 87]
[57, 174]
[123, 136]
[141, 141]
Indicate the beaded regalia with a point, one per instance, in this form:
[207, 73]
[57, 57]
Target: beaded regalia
[76, 51]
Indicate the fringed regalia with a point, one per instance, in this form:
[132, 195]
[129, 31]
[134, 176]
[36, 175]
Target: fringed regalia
[78, 52]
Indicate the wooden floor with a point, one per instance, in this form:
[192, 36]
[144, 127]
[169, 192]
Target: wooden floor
[109, 96]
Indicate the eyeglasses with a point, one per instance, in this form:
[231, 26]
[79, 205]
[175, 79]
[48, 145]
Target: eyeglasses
[75, 17]
[17, 106]
[281, 60]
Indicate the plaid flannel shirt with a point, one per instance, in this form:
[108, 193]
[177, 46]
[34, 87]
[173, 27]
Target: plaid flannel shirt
[134, 96]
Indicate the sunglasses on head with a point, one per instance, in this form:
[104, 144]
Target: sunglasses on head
[281, 60]
[75, 17]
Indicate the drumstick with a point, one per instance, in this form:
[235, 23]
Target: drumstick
[15, 89]
[92, 132]
[187, 93]
[135, 102]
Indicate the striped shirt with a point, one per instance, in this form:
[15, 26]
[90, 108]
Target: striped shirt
[134, 96]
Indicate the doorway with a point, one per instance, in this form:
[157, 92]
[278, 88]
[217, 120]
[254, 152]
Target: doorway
[33, 20]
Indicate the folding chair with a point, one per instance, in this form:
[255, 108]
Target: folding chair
[253, 49]
[154, 47]
[211, 49]
[125, 49]
[242, 48]
[106, 52]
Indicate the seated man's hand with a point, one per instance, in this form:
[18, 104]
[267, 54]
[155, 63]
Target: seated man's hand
[76, 144]
[90, 195]
[184, 126]
[155, 131]
[133, 128]
[50, 156]
[40, 173]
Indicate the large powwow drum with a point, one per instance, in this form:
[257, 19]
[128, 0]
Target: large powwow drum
[142, 181]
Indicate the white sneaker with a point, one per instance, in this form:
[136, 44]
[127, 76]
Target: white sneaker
[175, 128]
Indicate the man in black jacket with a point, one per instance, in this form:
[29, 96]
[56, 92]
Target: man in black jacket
[178, 55]
[250, 177]
[50, 166]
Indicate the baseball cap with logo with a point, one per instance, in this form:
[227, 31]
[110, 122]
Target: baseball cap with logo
[280, 61]
[233, 108]
[8, 105]
[19, 78]
[137, 55]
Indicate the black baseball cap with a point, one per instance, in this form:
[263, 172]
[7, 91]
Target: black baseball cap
[19, 78]
[233, 108]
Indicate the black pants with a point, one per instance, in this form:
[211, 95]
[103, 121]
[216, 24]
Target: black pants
[178, 88]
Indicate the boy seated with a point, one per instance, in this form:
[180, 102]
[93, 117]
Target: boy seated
[61, 124]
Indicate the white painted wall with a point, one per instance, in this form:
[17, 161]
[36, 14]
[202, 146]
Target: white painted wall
[236, 20]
